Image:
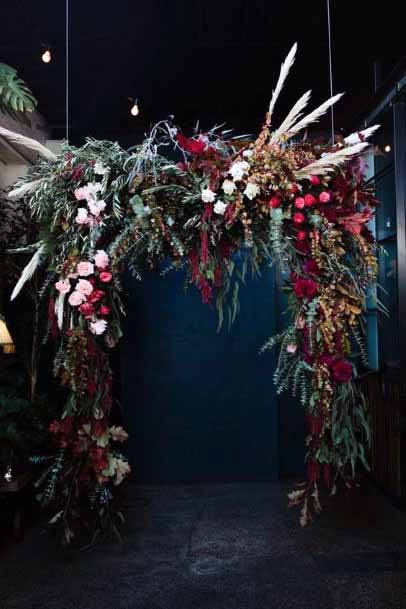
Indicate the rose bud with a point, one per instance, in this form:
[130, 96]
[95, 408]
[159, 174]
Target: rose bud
[309, 200]
[324, 197]
[298, 217]
[301, 235]
[274, 202]
[315, 180]
[105, 276]
[104, 310]
[299, 203]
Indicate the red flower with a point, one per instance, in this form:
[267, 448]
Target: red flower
[105, 276]
[191, 145]
[99, 458]
[104, 310]
[305, 288]
[299, 202]
[86, 309]
[311, 266]
[95, 296]
[298, 217]
[274, 202]
[342, 371]
[315, 180]
[309, 200]
[301, 235]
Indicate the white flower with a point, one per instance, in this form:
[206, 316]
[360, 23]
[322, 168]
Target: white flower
[100, 169]
[251, 190]
[220, 207]
[228, 187]
[101, 259]
[92, 189]
[208, 195]
[82, 216]
[247, 154]
[239, 169]
[99, 326]
[96, 207]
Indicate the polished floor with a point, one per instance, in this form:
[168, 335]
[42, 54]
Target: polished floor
[231, 546]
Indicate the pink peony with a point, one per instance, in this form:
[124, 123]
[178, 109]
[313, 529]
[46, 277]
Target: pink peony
[84, 287]
[324, 197]
[76, 298]
[63, 286]
[99, 326]
[101, 259]
[85, 269]
[105, 276]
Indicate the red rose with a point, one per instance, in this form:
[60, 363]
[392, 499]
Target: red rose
[298, 217]
[294, 188]
[104, 310]
[95, 296]
[105, 276]
[301, 235]
[315, 180]
[191, 145]
[309, 200]
[274, 202]
[305, 288]
[299, 202]
[342, 371]
[86, 309]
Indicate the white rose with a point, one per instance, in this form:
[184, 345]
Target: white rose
[82, 216]
[238, 169]
[208, 195]
[220, 207]
[247, 154]
[99, 326]
[228, 187]
[251, 190]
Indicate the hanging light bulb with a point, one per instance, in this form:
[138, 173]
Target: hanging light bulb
[46, 56]
[5, 338]
[134, 109]
[387, 148]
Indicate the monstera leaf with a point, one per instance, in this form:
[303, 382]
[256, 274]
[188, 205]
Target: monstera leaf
[15, 96]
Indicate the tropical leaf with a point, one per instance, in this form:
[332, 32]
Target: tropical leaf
[15, 95]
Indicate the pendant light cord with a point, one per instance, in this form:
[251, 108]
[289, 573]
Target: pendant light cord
[330, 61]
[67, 70]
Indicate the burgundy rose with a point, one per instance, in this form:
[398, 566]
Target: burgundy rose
[305, 288]
[311, 267]
[342, 371]
[86, 309]
[95, 296]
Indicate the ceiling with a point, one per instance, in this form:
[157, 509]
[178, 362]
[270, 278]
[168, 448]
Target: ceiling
[209, 60]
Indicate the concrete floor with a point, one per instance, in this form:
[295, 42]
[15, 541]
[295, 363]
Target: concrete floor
[231, 546]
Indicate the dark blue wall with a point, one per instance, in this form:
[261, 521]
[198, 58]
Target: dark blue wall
[199, 406]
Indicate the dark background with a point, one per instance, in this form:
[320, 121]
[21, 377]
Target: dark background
[209, 60]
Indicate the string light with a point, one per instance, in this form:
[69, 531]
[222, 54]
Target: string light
[46, 56]
[387, 148]
[134, 109]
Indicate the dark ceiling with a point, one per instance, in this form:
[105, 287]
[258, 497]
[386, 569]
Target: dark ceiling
[209, 60]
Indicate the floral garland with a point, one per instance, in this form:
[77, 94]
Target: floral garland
[301, 205]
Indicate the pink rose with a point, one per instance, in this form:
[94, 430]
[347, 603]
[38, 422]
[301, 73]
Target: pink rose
[105, 276]
[63, 286]
[81, 194]
[324, 197]
[299, 202]
[96, 207]
[85, 269]
[76, 298]
[101, 259]
[84, 287]
[82, 216]
[99, 326]
[315, 180]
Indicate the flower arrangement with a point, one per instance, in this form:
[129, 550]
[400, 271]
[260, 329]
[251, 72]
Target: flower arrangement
[302, 205]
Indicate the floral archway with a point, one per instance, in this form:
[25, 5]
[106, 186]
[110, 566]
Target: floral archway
[296, 203]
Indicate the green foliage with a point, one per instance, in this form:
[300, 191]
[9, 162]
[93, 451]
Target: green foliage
[15, 95]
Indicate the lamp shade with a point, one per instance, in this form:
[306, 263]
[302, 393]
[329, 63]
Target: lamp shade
[5, 337]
